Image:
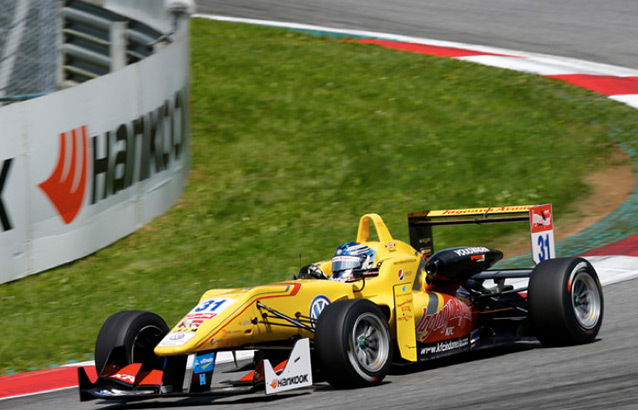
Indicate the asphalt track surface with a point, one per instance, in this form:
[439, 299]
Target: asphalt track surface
[601, 31]
[603, 374]
[593, 376]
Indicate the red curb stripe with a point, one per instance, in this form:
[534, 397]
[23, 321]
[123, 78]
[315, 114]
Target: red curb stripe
[624, 247]
[427, 49]
[41, 380]
[604, 84]
[607, 85]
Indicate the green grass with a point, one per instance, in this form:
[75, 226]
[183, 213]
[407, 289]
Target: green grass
[294, 138]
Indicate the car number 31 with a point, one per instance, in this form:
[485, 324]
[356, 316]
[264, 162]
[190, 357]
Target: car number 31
[213, 306]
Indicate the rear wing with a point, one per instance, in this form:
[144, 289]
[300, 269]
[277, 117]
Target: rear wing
[539, 217]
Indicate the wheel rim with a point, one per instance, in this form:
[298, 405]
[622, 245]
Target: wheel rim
[370, 342]
[586, 300]
[144, 343]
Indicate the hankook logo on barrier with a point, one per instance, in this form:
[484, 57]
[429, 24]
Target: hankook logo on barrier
[131, 153]
[65, 187]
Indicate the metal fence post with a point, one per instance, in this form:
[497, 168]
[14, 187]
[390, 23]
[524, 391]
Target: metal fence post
[118, 40]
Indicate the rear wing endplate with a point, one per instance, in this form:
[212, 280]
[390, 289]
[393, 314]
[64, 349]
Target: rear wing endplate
[420, 223]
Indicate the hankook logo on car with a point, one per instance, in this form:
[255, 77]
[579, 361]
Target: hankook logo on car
[288, 381]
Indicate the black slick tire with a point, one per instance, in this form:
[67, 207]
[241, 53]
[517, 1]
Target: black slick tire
[565, 302]
[353, 344]
[137, 331]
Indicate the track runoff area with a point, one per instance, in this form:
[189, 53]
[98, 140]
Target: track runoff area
[614, 263]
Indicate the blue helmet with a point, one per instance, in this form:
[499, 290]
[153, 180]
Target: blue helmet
[351, 256]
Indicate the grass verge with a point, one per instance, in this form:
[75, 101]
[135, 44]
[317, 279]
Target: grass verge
[294, 138]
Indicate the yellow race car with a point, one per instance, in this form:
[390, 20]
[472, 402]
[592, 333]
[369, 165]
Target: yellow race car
[378, 301]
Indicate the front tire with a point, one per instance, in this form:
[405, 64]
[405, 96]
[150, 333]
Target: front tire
[565, 302]
[137, 331]
[353, 344]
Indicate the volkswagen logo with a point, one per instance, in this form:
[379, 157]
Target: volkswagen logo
[316, 307]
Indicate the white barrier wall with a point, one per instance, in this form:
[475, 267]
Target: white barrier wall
[84, 167]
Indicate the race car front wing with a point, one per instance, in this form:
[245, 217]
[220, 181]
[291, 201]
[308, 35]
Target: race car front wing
[197, 374]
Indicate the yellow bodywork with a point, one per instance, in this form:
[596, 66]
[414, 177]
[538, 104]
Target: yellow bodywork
[231, 318]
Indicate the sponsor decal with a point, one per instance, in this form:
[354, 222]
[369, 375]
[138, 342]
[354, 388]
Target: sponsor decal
[189, 324]
[445, 346]
[317, 305]
[176, 336]
[370, 273]
[172, 339]
[400, 274]
[454, 314]
[471, 250]
[541, 218]
[4, 215]
[126, 378]
[119, 158]
[201, 316]
[478, 258]
[406, 306]
[289, 381]
[500, 209]
[204, 363]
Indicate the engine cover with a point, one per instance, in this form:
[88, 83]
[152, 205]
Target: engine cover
[459, 264]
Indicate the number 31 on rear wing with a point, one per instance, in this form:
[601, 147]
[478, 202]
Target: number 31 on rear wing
[541, 222]
[540, 219]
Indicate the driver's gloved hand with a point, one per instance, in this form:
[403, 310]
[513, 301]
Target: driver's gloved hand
[311, 272]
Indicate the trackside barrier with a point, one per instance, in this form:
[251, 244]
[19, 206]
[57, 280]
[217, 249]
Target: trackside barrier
[86, 166]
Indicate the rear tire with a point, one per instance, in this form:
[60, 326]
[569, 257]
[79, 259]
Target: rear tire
[138, 331]
[353, 344]
[565, 302]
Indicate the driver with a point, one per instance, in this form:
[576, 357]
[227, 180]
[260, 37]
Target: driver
[350, 257]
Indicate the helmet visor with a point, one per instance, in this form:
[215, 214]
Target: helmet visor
[341, 263]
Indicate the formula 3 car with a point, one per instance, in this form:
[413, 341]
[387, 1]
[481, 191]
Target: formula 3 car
[412, 305]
